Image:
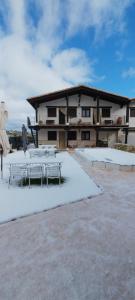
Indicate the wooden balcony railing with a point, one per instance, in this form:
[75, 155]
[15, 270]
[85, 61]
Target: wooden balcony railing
[112, 121]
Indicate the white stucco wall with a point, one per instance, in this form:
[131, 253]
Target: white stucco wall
[84, 143]
[131, 138]
[116, 111]
[132, 119]
[43, 138]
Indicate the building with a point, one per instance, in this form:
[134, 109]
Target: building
[131, 131]
[82, 116]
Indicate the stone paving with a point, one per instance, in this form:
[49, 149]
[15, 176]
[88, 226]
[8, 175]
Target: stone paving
[80, 251]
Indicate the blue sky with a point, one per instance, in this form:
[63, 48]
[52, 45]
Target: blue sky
[49, 45]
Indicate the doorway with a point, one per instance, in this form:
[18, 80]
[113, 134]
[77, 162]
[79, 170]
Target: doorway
[62, 116]
[62, 139]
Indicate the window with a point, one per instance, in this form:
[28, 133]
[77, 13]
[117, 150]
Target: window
[106, 112]
[85, 135]
[71, 135]
[52, 135]
[72, 112]
[132, 112]
[52, 112]
[86, 112]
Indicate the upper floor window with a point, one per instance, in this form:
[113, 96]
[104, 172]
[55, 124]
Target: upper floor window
[86, 112]
[132, 112]
[106, 112]
[52, 112]
[72, 112]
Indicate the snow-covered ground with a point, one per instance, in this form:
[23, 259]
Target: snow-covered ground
[20, 201]
[81, 251]
[108, 155]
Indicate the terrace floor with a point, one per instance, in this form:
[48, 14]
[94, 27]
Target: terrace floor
[80, 251]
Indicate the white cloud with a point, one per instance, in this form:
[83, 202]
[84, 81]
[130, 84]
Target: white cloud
[17, 17]
[105, 17]
[129, 73]
[32, 66]
[33, 59]
[69, 64]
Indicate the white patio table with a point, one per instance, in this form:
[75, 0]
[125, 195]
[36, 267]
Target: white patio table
[39, 152]
[47, 147]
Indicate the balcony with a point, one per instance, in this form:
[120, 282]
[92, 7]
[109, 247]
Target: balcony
[114, 121]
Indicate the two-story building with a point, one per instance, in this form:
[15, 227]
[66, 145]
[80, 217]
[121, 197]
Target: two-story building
[80, 116]
[131, 131]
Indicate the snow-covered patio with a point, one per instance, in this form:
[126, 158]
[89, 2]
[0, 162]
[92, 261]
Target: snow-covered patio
[108, 155]
[84, 250]
[20, 201]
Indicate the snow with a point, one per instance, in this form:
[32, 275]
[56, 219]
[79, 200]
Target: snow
[20, 201]
[81, 251]
[108, 155]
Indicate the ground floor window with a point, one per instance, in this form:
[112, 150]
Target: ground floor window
[72, 135]
[85, 135]
[52, 135]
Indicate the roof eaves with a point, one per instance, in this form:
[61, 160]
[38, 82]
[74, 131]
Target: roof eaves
[79, 88]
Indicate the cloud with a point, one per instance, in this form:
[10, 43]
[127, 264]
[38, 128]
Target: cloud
[33, 55]
[105, 17]
[31, 59]
[73, 61]
[129, 73]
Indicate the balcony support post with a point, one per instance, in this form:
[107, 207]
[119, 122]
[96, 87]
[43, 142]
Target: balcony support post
[97, 136]
[36, 108]
[36, 138]
[67, 137]
[97, 109]
[126, 135]
[67, 103]
[127, 121]
[79, 100]
[127, 113]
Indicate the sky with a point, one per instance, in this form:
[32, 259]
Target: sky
[47, 45]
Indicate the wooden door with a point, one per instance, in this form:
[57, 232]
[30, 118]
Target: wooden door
[62, 139]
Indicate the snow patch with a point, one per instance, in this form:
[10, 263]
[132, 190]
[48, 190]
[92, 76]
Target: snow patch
[108, 155]
[20, 201]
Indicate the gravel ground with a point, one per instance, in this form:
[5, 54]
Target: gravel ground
[80, 251]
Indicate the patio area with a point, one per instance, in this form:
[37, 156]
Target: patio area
[84, 250]
[18, 201]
